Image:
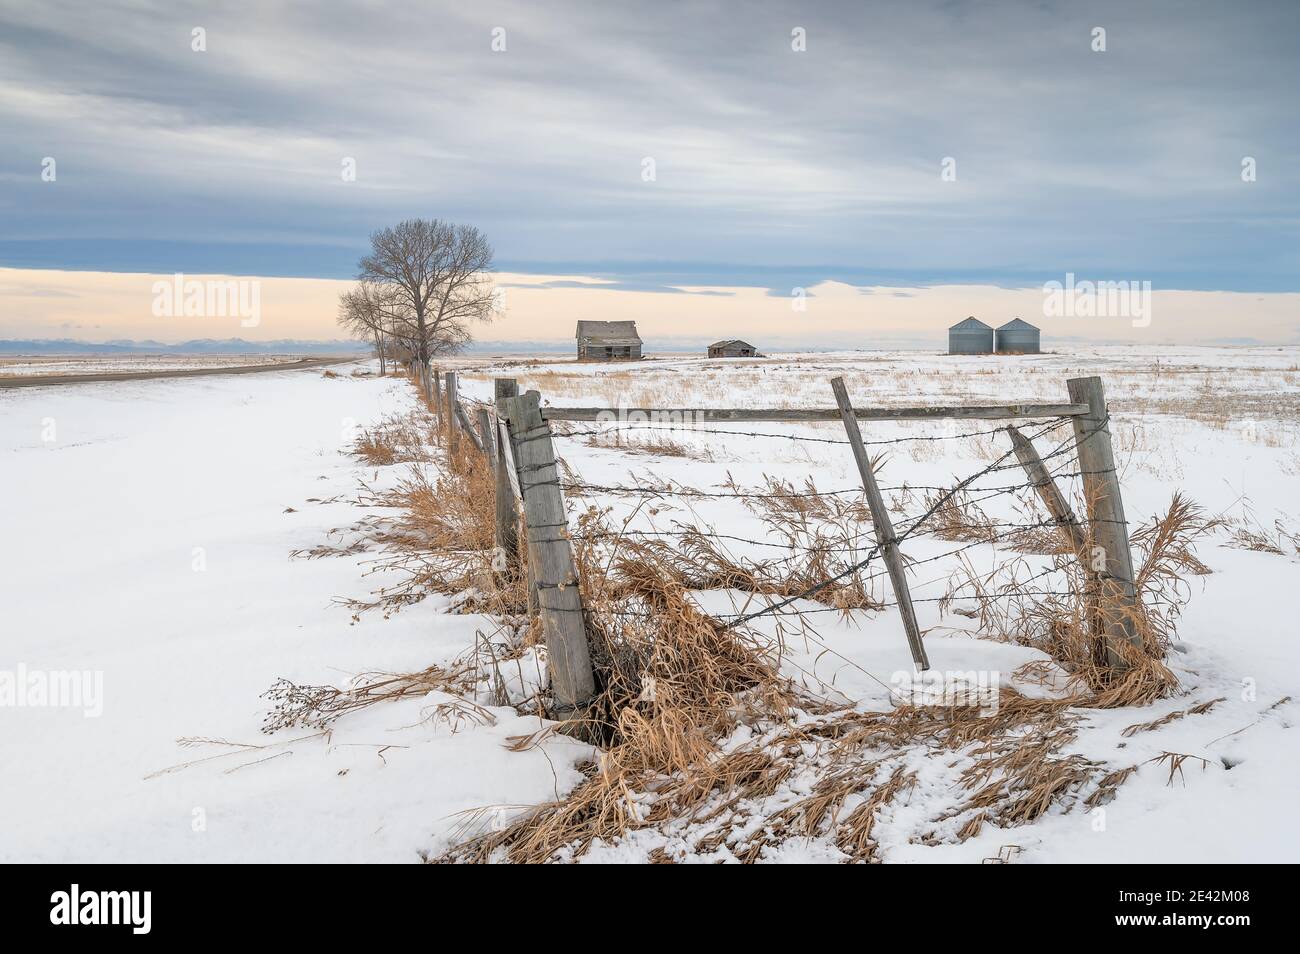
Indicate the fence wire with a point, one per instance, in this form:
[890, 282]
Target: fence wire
[1062, 456]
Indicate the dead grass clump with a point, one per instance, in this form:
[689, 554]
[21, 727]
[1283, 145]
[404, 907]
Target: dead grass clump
[440, 538]
[1063, 619]
[397, 440]
[1247, 533]
[956, 517]
[317, 707]
[1174, 761]
[1174, 716]
[376, 449]
[672, 683]
[435, 531]
[648, 443]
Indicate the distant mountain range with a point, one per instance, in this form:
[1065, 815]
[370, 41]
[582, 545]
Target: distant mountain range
[198, 346]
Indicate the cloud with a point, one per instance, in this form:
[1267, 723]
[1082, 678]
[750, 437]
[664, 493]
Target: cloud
[806, 166]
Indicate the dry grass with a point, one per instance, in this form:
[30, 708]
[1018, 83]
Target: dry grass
[703, 741]
[407, 439]
[649, 444]
[676, 686]
[1174, 716]
[1247, 533]
[317, 707]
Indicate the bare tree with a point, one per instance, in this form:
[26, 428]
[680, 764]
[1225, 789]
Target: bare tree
[366, 312]
[435, 281]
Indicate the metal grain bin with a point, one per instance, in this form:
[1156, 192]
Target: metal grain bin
[971, 336]
[1018, 337]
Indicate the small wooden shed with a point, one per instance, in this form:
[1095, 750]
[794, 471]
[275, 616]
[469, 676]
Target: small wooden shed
[608, 341]
[733, 348]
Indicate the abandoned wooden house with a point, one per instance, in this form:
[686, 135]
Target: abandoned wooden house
[735, 348]
[608, 341]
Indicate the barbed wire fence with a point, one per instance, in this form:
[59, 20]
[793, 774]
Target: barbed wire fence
[531, 484]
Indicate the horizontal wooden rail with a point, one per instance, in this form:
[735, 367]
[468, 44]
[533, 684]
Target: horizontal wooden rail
[793, 415]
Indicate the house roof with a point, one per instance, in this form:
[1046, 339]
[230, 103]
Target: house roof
[732, 341]
[1016, 324]
[971, 324]
[608, 332]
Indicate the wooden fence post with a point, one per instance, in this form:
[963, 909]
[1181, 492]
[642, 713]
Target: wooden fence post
[1112, 558]
[462, 418]
[449, 415]
[509, 503]
[1050, 494]
[549, 552]
[507, 536]
[486, 443]
[883, 527]
[435, 396]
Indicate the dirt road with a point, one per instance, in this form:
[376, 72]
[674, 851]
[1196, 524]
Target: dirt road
[46, 380]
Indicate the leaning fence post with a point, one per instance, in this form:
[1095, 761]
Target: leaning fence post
[462, 418]
[883, 526]
[486, 444]
[1041, 480]
[508, 503]
[1112, 557]
[507, 538]
[549, 552]
[449, 415]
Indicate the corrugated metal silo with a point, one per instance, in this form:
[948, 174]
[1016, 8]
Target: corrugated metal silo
[971, 336]
[1019, 337]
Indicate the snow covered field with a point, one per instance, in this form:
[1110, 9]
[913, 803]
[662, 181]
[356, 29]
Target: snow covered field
[148, 531]
[25, 365]
[149, 541]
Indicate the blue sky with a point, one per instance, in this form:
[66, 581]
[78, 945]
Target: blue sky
[773, 167]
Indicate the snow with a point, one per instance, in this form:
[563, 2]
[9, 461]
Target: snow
[42, 365]
[99, 576]
[116, 492]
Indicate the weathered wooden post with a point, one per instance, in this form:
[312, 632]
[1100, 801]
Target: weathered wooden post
[549, 551]
[1041, 480]
[449, 415]
[883, 526]
[487, 445]
[509, 501]
[1112, 559]
[507, 536]
[435, 397]
[462, 419]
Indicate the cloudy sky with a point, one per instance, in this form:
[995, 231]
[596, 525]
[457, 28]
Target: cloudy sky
[679, 163]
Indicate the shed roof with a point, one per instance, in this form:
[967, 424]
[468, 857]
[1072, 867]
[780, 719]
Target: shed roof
[971, 324]
[732, 341]
[1017, 324]
[608, 332]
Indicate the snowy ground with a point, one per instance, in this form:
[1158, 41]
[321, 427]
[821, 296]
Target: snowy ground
[28, 365]
[149, 540]
[149, 525]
